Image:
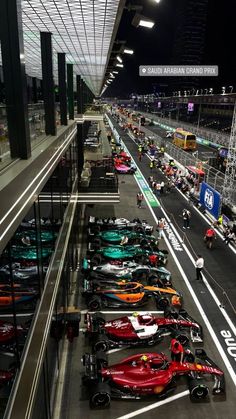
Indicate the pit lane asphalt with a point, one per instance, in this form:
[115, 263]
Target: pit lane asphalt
[75, 398]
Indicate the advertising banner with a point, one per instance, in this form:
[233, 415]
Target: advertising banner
[210, 199]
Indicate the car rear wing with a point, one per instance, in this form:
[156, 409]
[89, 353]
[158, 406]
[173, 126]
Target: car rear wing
[219, 380]
[196, 334]
[91, 367]
[91, 323]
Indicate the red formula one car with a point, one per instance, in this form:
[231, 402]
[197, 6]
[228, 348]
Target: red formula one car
[8, 335]
[141, 329]
[6, 377]
[150, 374]
[124, 156]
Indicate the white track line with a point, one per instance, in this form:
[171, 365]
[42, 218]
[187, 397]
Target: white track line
[122, 312]
[154, 405]
[112, 351]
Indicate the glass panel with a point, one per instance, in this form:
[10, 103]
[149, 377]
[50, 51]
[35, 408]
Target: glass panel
[23, 267]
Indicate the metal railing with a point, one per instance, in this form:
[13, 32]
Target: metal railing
[203, 133]
[214, 177]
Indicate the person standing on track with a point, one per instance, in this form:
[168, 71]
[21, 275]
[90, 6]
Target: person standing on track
[160, 227]
[139, 199]
[186, 214]
[199, 264]
[162, 187]
[209, 236]
[230, 237]
[151, 165]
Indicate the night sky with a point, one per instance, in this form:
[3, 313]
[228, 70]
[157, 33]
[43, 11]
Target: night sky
[155, 46]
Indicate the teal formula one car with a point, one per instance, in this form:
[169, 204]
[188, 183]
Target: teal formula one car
[128, 270]
[123, 237]
[46, 236]
[137, 253]
[29, 253]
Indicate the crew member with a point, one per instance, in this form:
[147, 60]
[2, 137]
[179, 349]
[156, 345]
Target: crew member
[177, 351]
[153, 260]
[210, 234]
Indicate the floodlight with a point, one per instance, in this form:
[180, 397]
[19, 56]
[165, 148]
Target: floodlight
[128, 51]
[119, 65]
[119, 59]
[140, 20]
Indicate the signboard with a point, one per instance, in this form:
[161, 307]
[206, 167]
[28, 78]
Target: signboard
[190, 106]
[210, 199]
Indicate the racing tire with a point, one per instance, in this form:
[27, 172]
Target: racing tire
[140, 230]
[101, 344]
[165, 252]
[96, 260]
[101, 396]
[162, 302]
[100, 319]
[95, 303]
[102, 360]
[144, 242]
[197, 390]
[170, 313]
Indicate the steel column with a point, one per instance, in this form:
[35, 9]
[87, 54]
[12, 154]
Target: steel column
[79, 98]
[48, 83]
[70, 90]
[13, 61]
[80, 148]
[62, 86]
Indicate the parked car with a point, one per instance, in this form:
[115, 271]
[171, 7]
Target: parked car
[149, 374]
[128, 294]
[141, 329]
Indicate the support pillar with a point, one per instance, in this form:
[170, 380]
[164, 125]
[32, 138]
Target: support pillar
[79, 97]
[80, 148]
[62, 86]
[13, 62]
[48, 83]
[70, 90]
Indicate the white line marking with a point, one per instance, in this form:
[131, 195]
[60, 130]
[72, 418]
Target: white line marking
[154, 405]
[112, 351]
[122, 312]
